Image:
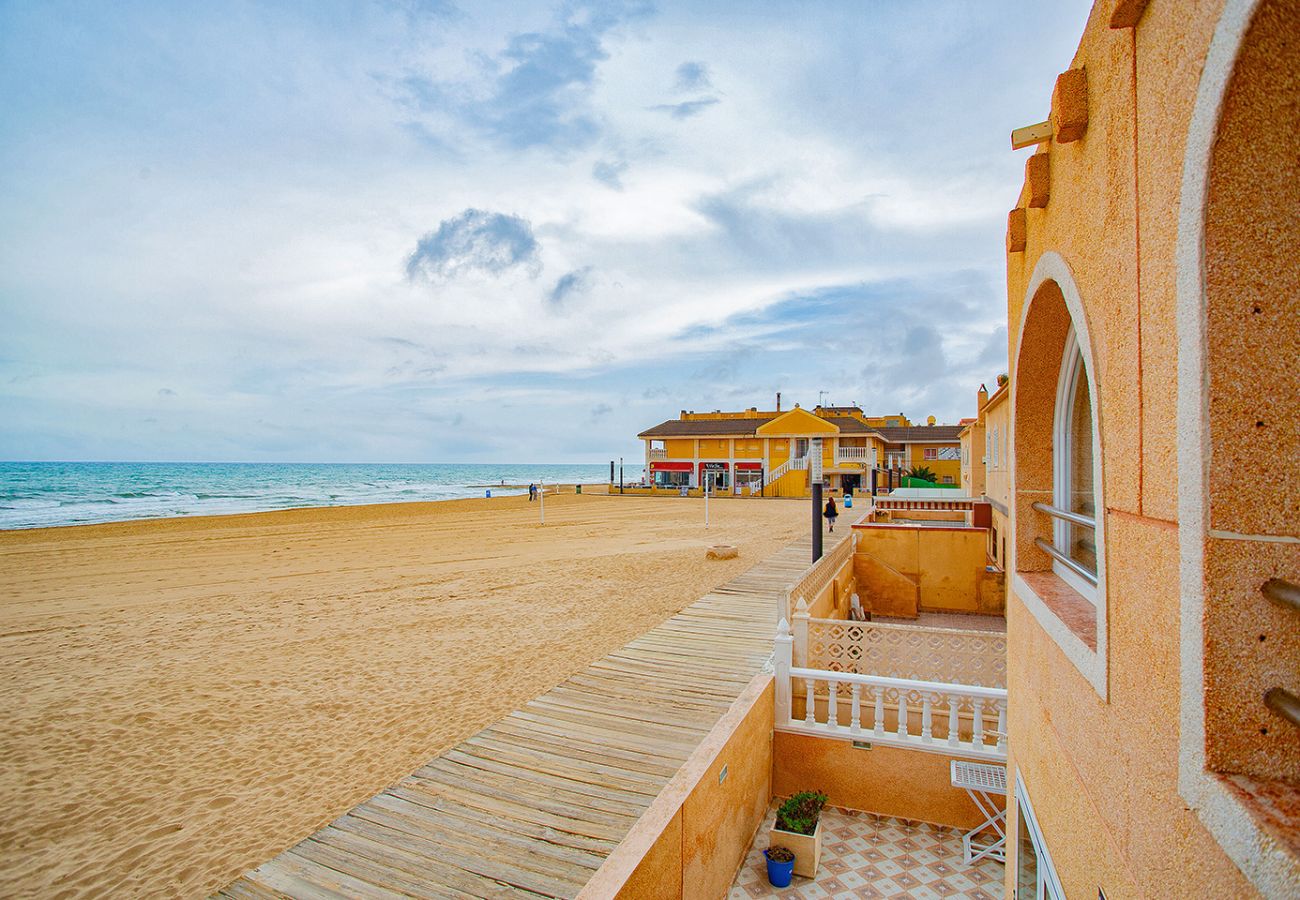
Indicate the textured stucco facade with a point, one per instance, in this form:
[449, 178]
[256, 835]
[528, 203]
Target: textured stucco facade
[1129, 712]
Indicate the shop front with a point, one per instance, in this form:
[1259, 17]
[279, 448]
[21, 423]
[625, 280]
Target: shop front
[749, 477]
[670, 474]
[717, 472]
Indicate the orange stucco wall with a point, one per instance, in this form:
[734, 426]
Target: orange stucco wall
[693, 838]
[889, 781]
[1102, 768]
[904, 569]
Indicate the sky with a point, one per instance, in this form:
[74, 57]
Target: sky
[428, 231]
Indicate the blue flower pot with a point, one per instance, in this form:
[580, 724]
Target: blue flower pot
[779, 873]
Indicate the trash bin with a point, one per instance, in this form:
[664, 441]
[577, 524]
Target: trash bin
[848, 502]
[579, 489]
[488, 493]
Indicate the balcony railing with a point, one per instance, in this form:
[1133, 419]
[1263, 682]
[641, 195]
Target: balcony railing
[903, 504]
[921, 715]
[658, 453]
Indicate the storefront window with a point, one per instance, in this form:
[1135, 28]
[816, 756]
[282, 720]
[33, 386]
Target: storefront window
[671, 479]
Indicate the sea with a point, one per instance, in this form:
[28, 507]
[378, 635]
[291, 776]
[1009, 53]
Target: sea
[44, 494]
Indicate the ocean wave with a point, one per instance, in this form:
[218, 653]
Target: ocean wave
[35, 495]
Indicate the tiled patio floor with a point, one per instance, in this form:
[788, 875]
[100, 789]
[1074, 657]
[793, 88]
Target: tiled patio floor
[870, 856]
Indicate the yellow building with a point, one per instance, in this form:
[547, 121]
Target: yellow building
[1153, 615]
[754, 452]
[986, 465]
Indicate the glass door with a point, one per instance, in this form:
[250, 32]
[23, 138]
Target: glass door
[1035, 875]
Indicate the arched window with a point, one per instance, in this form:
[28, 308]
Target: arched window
[1074, 508]
[1058, 517]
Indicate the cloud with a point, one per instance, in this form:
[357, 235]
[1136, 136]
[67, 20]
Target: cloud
[610, 172]
[686, 108]
[475, 241]
[166, 392]
[693, 76]
[600, 411]
[539, 87]
[571, 283]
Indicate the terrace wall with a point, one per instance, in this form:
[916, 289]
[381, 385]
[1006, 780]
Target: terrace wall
[695, 834]
[889, 781]
[904, 569]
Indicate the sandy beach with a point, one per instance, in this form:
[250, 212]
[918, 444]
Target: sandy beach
[184, 698]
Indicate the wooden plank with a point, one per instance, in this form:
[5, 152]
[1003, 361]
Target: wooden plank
[458, 780]
[432, 829]
[373, 844]
[563, 764]
[517, 810]
[473, 861]
[531, 805]
[562, 837]
[417, 819]
[590, 790]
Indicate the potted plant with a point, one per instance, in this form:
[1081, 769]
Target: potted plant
[798, 827]
[780, 866]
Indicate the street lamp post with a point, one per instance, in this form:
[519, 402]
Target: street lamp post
[815, 482]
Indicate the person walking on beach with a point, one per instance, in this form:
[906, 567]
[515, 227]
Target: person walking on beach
[532, 492]
[831, 512]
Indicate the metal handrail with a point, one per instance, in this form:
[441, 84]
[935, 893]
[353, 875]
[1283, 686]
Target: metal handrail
[1058, 513]
[905, 684]
[1090, 577]
[1284, 703]
[1282, 592]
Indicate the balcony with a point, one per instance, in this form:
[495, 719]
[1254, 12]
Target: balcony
[658, 453]
[853, 456]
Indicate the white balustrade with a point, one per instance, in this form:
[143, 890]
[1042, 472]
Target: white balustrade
[914, 652]
[871, 698]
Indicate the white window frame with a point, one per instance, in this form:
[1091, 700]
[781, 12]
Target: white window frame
[1073, 368]
[1049, 885]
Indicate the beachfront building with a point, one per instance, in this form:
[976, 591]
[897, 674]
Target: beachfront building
[1153, 287]
[930, 446]
[753, 452]
[986, 465]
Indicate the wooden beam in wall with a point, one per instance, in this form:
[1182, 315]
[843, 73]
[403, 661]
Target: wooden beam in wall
[1031, 135]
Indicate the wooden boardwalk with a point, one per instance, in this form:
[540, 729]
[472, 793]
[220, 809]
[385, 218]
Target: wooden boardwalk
[532, 805]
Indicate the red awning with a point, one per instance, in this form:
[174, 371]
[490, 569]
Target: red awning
[754, 466]
[670, 466]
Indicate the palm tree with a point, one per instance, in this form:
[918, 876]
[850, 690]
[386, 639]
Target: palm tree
[923, 473]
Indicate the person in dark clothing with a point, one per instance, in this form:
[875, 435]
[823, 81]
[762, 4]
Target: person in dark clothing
[831, 512]
[532, 492]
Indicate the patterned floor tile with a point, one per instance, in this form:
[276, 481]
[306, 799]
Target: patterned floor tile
[872, 857]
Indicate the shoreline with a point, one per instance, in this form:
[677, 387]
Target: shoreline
[201, 517]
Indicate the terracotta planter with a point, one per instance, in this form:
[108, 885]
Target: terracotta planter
[807, 848]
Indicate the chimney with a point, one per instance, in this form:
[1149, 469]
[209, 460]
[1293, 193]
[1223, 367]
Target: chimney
[778, 401]
[981, 398]
[683, 414]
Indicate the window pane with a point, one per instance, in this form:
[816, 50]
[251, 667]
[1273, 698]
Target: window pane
[1082, 540]
[1026, 862]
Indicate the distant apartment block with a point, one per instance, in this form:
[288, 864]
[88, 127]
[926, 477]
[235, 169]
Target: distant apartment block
[755, 452]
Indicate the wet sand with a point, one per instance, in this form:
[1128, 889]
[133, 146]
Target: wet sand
[185, 698]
